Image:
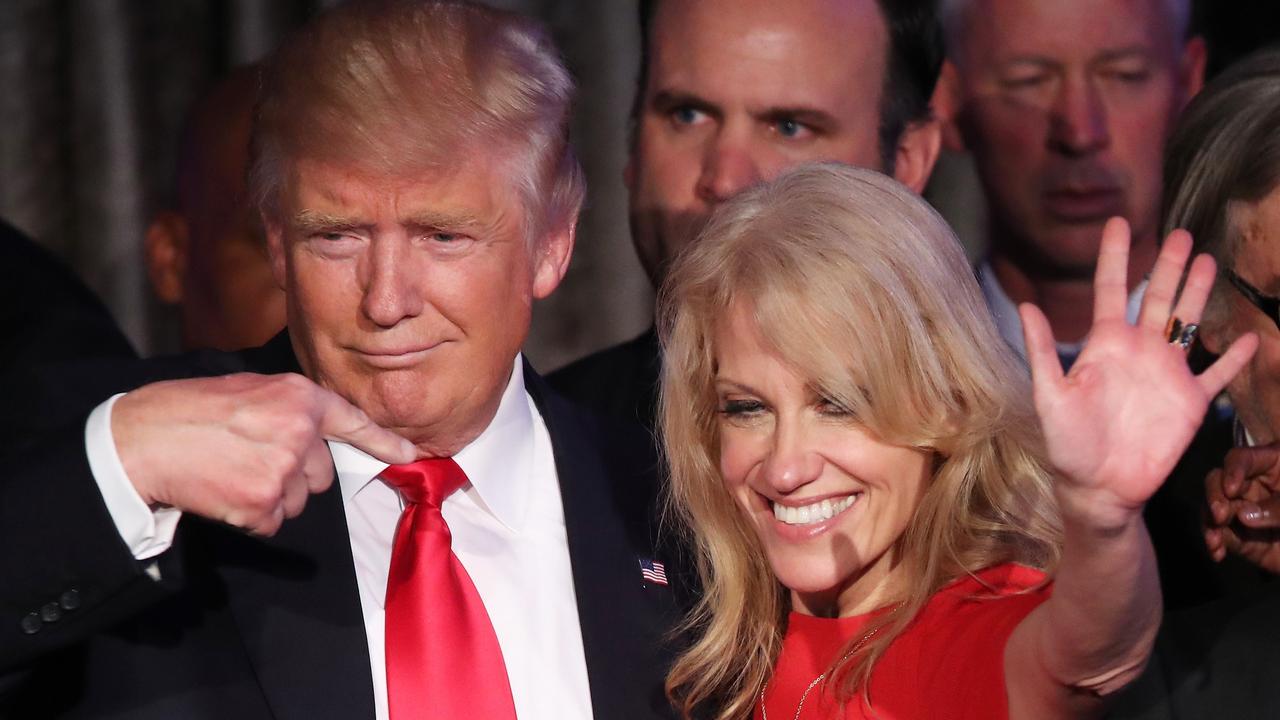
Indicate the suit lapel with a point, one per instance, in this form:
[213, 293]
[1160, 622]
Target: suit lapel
[295, 600]
[622, 620]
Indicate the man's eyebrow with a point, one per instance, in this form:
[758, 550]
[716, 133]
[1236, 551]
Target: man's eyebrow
[309, 222]
[1038, 61]
[441, 220]
[671, 99]
[1139, 52]
[807, 115]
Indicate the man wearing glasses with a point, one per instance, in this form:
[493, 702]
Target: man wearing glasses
[1222, 183]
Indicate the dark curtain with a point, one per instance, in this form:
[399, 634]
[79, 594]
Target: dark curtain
[94, 93]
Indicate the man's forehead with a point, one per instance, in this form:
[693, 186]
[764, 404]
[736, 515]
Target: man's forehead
[474, 194]
[780, 54]
[1063, 30]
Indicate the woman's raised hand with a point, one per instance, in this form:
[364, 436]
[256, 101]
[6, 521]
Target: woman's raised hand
[1116, 424]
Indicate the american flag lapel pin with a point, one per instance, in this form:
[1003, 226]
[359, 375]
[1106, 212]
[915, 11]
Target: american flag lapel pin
[653, 571]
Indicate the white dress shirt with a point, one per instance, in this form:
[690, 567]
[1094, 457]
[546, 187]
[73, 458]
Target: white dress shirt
[508, 531]
[1005, 313]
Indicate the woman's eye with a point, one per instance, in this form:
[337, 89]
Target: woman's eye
[833, 408]
[735, 408]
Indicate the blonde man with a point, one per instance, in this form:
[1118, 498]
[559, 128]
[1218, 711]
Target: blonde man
[410, 161]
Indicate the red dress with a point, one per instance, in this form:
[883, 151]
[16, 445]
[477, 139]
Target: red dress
[949, 663]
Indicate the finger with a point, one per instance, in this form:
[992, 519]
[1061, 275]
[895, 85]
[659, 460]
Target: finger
[1213, 541]
[272, 524]
[1261, 462]
[1195, 291]
[295, 497]
[340, 420]
[1217, 375]
[1111, 279]
[1042, 354]
[1157, 299]
[317, 467]
[1264, 514]
[1219, 511]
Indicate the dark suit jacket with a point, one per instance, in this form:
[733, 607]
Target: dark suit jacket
[250, 628]
[46, 312]
[619, 381]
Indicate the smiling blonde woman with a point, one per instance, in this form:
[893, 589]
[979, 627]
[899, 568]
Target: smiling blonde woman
[886, 524]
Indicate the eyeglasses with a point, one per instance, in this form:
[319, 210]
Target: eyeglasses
[1266, 303]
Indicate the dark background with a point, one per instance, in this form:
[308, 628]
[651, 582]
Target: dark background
[93, 92]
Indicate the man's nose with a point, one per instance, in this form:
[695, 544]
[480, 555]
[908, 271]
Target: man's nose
[391, 287]
[728, 167]
[1078, 120]
[794, 461]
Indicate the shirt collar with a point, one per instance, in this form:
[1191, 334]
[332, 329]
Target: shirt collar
[1005, 312]
[498, 462]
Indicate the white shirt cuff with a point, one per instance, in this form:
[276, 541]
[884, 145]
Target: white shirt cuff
[147, 533]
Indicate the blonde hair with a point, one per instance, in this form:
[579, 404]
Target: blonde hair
[862, 288]
[401, 87]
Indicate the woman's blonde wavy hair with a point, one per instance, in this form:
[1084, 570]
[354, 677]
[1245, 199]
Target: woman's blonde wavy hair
[862, 288]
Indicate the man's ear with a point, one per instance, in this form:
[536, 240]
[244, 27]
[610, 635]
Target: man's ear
[166, 245]
[948, 100]
[916, 154]
[551, 257]
[275, 249]
[1191, 67]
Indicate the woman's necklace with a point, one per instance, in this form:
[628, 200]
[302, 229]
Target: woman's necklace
[764, 714]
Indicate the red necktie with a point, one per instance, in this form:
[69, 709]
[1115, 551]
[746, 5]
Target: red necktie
[443, 659]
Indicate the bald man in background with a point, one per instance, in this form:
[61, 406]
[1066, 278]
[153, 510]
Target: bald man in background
[207, 254]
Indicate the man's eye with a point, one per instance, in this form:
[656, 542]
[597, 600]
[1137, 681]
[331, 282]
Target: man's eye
[1133, 77]
[686, 115]
[335, 236]
[1023, 82]
[790, 128]
[445, 237]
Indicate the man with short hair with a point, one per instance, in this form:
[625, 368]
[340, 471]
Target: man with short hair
[731, 93]
[485, 550]
[207, 252]
[1065, 107]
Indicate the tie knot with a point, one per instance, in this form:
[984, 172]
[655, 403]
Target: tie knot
[429, 480]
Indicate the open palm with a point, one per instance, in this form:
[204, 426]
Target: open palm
[1116, 425]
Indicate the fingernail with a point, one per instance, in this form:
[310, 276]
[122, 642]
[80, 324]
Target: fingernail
[1219, 509]
[1249, 511]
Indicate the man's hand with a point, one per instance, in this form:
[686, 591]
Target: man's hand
[1244, 506]
[243, 449]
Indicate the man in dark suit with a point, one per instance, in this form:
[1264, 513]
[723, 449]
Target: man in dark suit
[717, 110]
[412, 167]
[46, 311]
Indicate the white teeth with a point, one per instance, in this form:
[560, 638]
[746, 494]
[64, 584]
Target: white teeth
[812, 513]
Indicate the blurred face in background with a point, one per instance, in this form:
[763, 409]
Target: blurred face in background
[208, 255]
[739, 90]
[1255, 391]
[1065, 106]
